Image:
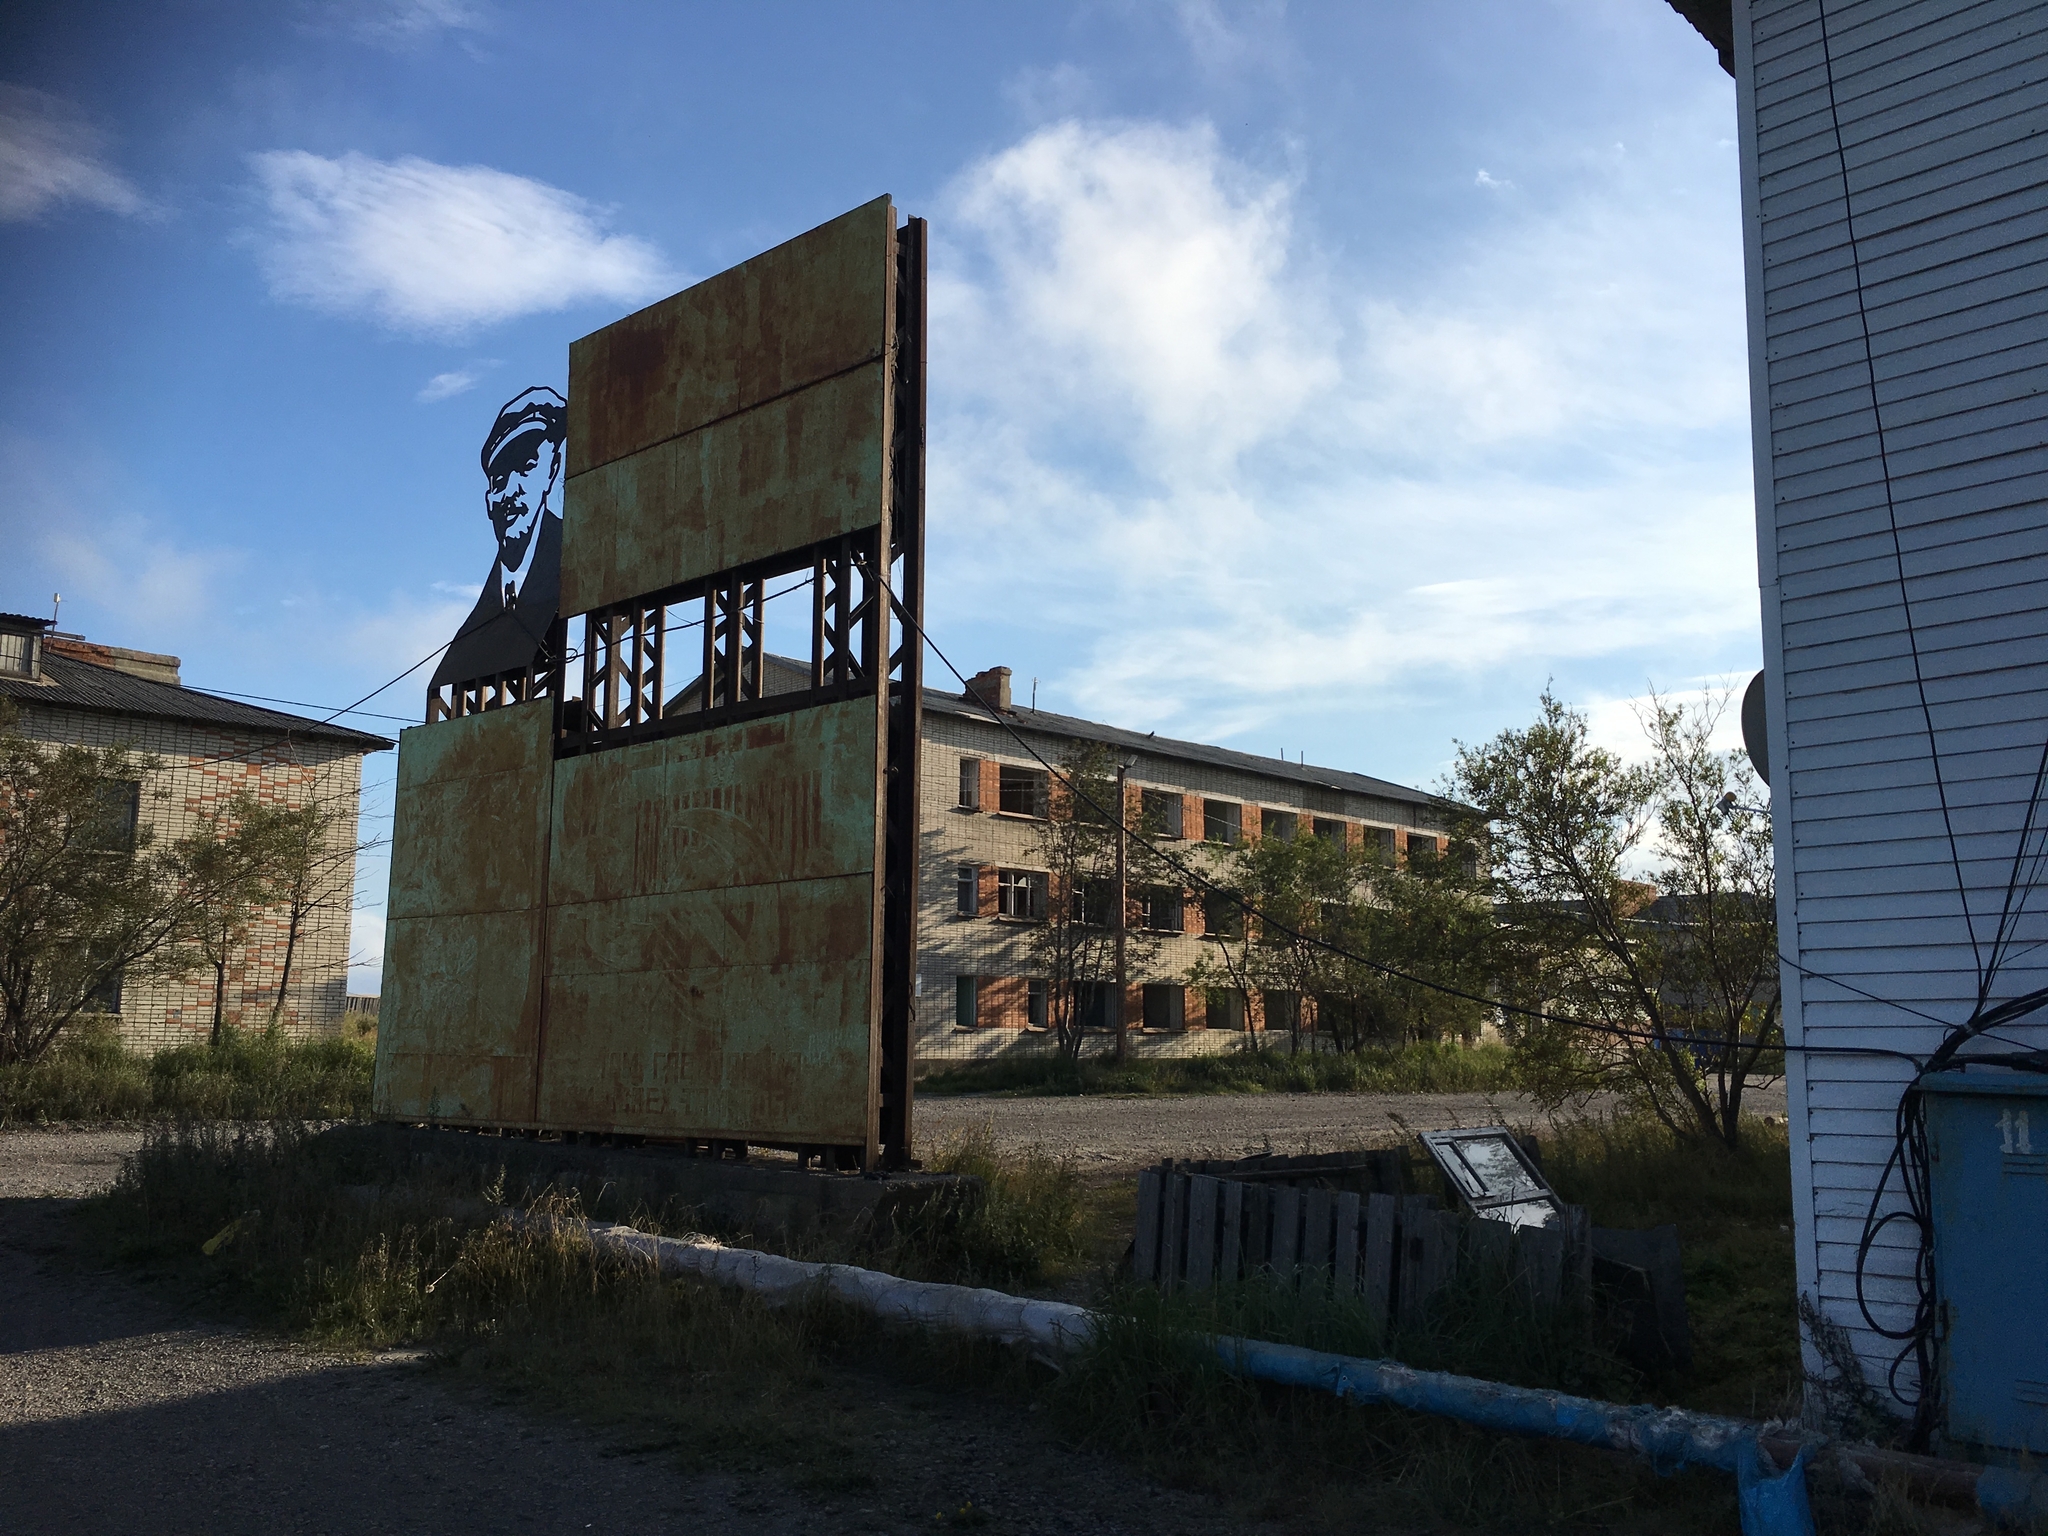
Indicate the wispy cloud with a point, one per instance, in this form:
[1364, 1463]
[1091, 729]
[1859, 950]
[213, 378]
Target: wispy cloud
[1304, 485]
[1492, 182]
[444, 385]
[407, 23]
[438, 248]
[51, 155]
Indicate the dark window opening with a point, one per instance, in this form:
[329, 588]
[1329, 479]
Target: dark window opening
[1381, 840]
[1095, 1005]
[1222, 916]
[1222, 821]
[1162, 808]
[1034, 1002]
[970, 783]
[1159, 908]
[1094, 900]
[1329, 831]
[1020, 893]
[1283, 1009]
[1165, 1006]
[1020, 791]
[965, 1002]
[1278, 824]
[1225, 1008]
[119, 811]
[106, 997]
[1422, 848]
[967, 890]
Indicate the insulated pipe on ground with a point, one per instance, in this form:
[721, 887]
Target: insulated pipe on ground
[1668, 1438]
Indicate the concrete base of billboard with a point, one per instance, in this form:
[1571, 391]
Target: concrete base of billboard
[768, 1199]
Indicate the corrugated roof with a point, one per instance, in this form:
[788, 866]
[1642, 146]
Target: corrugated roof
[74, 684]
[1192, 751]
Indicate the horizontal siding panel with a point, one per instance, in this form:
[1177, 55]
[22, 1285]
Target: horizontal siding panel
[2014, 392]
[1869, 557]
[1873, 134]
[1940, 622]
[1800, 215]
[2018, 711]
[1970, 228]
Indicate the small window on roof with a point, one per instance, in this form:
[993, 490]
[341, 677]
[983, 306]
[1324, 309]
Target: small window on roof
[18, 654]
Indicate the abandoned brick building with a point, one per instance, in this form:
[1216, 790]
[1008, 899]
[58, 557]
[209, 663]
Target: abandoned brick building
[984, 881]
[71, 691]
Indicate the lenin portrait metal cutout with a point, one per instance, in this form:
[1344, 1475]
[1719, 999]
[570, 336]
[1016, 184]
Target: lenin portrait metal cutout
[522, 463]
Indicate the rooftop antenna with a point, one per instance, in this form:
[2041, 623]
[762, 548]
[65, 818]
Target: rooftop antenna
[1034, 695]
[56, 602]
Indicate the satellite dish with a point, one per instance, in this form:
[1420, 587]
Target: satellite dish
[1756, 728]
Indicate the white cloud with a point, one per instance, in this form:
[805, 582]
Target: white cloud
[49, 154]
[405, 23]
[444, 385]
[1304, 486]
[438, 248]
[1496, 183]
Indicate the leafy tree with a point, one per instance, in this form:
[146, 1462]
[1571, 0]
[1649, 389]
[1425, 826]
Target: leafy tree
[1074, 946]
[1321, 903]
[237, 860]
[1662, 989]
[312, 872]
[88, 901]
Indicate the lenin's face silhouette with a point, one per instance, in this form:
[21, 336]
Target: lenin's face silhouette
[519, 479]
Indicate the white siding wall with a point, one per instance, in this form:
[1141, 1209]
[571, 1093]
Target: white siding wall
[1943, 117]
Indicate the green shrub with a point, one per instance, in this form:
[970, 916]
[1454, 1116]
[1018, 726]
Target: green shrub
[1415, 1068]
[252, 1076]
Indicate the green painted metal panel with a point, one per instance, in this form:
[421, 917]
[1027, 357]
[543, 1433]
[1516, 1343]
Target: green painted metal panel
[805, 311]
[803, 468]
[458, 1026]
[712, 936]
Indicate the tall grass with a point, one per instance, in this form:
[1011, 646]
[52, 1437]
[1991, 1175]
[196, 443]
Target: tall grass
[248, 1076]
[1415, 1068]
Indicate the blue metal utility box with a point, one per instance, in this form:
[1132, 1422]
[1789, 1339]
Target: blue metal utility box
[1987, 1137]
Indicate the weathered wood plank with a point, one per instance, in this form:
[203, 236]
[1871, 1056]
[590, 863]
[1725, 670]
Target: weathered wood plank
[1318, 1217]
[1145, 1249]
[1344, 1256]
[1378, 1255]
[1286, 1251]
[1230, 1264]
[1205, 1196]
[1173, 1232]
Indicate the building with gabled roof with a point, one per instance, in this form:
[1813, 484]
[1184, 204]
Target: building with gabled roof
[68, 690]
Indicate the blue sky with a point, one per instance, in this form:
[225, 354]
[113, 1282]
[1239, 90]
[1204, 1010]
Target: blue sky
[1318, 378]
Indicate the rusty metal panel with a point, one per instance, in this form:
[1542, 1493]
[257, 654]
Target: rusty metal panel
[804, 468]
[711, 941]
[741, 1015]
[458, 1032]
[789, 797]
[810, 308]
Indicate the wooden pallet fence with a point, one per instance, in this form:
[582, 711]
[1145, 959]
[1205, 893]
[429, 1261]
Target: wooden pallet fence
[1197, 1229]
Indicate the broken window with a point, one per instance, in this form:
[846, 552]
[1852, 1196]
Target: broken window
[970, 783]
[1162, 808]
[965, 1000]
[1034, 1002]
[1222, 821]
[1330, 831]
[1278, 824]
[1165, 1006]
[1494, 1176]
[1020, 893]
[1020, 791]
[967, 890]
[1159, 908]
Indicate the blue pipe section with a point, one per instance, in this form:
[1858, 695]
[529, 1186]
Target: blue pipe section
[1772, 1502]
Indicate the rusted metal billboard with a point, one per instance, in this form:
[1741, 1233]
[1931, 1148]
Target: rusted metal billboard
[633, 891]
